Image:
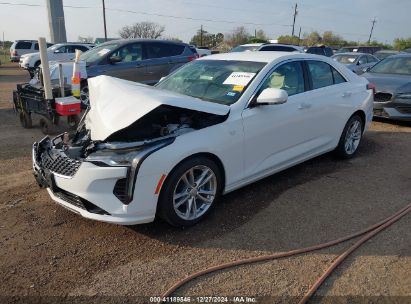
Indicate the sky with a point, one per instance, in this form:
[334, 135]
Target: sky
[349, 18]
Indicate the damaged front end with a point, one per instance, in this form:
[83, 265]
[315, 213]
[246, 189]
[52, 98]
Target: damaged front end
[63, 156]
[94, 171]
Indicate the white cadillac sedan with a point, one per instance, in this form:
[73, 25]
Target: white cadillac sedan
[213, 126]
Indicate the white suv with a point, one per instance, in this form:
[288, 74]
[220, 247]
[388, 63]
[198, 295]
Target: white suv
[21, 47]
[57, 52]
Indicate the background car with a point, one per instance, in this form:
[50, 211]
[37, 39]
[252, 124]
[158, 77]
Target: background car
[360, 49]
[386, 53]
[246, 47]
[21, 47]
[392, 78]
[280, 48]
[203, 51]
[213, 126]
[356, 62]
[56, 52]
[320, 50]
[141, 60]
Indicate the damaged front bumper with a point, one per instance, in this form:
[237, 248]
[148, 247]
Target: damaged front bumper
[85, 187]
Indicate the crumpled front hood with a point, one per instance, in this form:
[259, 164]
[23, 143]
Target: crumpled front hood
[116, 104]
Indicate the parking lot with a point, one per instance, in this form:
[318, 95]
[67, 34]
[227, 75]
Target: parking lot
[49, 251]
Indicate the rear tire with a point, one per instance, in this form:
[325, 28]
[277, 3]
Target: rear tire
[350, 138]
[190, 192]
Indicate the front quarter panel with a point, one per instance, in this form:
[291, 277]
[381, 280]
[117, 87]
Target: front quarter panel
[223, 140]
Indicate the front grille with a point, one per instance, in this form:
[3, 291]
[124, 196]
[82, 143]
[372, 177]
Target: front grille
[120, 190]
[60, 164]
[382, 97]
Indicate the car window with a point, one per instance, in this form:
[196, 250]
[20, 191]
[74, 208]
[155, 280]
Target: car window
[371, 59]
[338, 78]
[36, 46]
[277, 48]
[78, 47]
[362, 60]
[288, 77]
[219, 81]
[328, 52]
[160, 50]
[321, 74]
[345, 59]
[393, 65]
[130, 52]
[23, 45]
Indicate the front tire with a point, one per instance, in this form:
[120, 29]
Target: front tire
[350, 137]
[190, 192]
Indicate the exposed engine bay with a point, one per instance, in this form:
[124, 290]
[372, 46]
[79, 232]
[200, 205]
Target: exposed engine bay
[163, 122]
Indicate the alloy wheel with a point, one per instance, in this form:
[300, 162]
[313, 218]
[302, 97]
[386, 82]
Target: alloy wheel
[353, 137]
[195, 192]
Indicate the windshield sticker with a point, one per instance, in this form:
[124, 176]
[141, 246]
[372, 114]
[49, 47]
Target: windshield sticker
[239, 78]
[103, 52]
[238, 88]
[231, 94]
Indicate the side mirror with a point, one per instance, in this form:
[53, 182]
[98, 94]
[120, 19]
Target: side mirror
[365, 70]
[272, 96]
[115, 59]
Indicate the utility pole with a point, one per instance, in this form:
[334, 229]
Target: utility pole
[201, 35]
[372, 28]
[295, 15]
[255, 33]
[299, 36]
[104, 18]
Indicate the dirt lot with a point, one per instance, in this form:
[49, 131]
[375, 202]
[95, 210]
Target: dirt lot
[50, 252]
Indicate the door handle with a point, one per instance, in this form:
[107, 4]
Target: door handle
[346, 94]
[304, 105]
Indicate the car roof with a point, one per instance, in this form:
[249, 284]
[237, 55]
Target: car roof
[352, 54]
[267, 57]
[126, 41]
[252, 44]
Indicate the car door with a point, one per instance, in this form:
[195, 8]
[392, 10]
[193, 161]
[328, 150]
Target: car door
[161, 58]
[275, 135]
[130, 63]
[328, 96]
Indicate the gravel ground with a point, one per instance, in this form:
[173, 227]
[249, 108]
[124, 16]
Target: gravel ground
[52, 255]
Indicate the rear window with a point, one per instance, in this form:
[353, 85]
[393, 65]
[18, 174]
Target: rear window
[160, 50]
[277, 48]
[23, 45]
[317, 51]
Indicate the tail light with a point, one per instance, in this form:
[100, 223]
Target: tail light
[371, 86]
[192, 57]
[14, 52]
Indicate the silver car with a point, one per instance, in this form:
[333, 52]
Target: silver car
[356, 62]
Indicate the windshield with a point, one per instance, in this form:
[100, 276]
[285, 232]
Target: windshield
[243, 48]
[219, 81]
[393, 65]
[98, 52]
[54, 47]
[345, 59]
